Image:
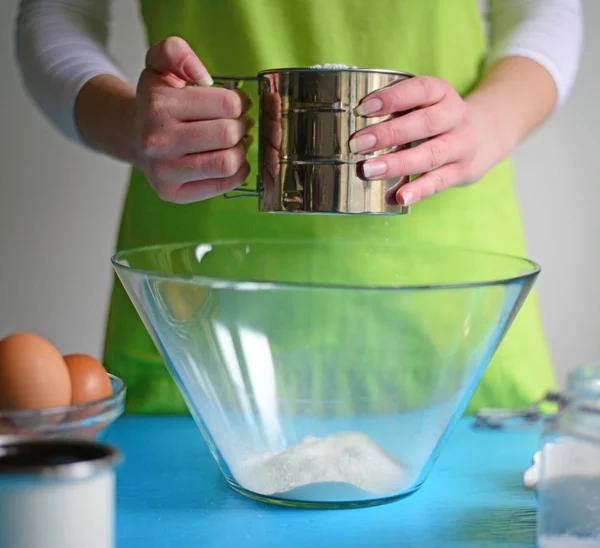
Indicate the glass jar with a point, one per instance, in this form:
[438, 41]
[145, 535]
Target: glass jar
[568, 491]
[583, 383]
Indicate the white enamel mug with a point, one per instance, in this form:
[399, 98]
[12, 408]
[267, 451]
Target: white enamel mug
[57, 494]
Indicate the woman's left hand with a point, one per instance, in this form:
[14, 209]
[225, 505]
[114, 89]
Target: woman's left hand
[461, 144]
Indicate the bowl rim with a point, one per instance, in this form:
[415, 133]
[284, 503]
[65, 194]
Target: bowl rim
[244, 285]
[22, 414]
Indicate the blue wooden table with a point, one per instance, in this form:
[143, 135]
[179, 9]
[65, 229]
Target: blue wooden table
[170, 494]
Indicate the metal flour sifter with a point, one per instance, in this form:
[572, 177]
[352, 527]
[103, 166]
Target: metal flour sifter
[306, 118]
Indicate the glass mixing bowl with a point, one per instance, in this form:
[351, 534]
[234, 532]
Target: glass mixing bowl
[324, 374]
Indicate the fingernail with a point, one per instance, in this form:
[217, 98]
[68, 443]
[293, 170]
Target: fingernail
[362, 143]
[205, 80]
[374, 169]
[405, 197]
[195, 73]
[370, 106]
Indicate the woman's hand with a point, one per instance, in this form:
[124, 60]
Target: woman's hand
[191, 141]
[461, 145]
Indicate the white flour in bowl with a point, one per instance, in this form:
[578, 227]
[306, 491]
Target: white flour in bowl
[350, 458]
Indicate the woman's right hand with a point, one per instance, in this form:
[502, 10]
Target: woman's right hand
[191, 140]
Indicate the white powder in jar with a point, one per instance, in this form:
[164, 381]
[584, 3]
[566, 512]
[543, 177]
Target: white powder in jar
[568, 541]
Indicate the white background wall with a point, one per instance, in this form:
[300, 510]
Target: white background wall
[59, 209]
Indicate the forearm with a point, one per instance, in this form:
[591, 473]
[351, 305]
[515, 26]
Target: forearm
[60, 47]
[534, 53]
[105, 113]
[549, 32]
[513, 99]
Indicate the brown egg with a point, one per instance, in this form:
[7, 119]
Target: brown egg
[33, 374]
[89, 379]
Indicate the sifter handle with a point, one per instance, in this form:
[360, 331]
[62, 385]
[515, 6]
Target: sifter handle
[236, 82]
[233, 82]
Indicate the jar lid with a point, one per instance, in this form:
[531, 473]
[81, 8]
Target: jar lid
[580, 418]
[583, 382]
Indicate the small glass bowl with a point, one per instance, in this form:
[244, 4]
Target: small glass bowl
[87, 421]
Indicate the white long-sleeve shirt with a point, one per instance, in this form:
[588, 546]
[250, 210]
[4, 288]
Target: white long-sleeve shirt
[61, 44]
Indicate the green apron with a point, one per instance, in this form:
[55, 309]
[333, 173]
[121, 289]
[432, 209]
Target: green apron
[241, 37]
